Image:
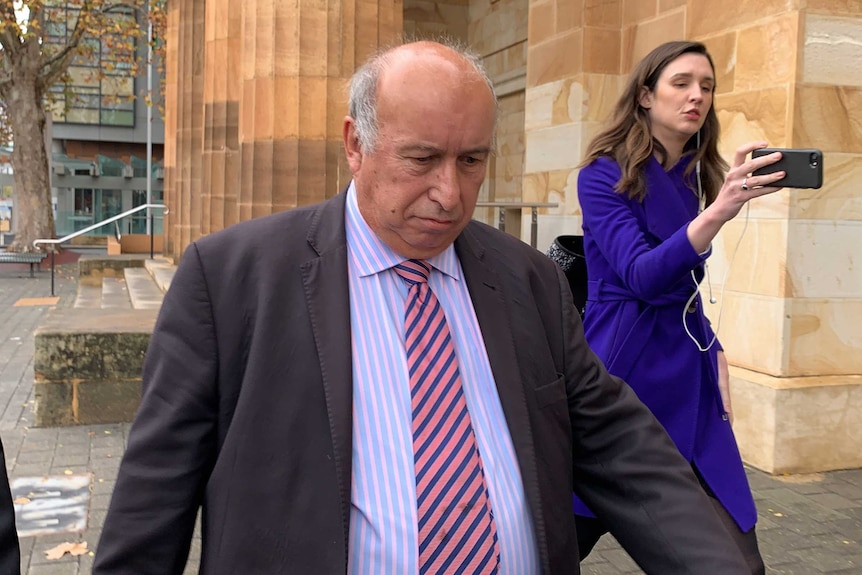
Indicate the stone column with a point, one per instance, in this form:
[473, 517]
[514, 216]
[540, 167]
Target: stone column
[184, 123]
[169, 162]
[497, 31]
[222, 88]
[297, 58]
[255, 102]
[793, 293]
[573, 78]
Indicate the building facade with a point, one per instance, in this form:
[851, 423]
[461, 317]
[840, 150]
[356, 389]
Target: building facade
[256, 96]
[99, 132]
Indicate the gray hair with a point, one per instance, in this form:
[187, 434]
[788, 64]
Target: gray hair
[362, 104]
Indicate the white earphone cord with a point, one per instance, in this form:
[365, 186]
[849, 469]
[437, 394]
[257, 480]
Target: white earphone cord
[701, 200]
[721, 297]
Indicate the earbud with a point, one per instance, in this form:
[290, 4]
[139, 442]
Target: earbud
[712, 299]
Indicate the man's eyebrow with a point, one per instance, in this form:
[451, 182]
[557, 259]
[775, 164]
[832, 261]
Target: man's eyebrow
[418, 149]
[431, 150]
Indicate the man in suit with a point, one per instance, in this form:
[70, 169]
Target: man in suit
[283, 390]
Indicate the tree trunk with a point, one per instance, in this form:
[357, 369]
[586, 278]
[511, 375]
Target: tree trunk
[33, 213]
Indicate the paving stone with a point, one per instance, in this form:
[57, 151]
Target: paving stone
[848, 490]
[834, 501]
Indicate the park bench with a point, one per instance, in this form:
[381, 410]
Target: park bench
[24, 258]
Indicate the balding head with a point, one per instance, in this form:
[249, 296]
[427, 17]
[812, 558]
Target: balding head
[365, 85]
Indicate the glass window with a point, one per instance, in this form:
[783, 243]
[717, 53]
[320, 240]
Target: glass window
[85, 99]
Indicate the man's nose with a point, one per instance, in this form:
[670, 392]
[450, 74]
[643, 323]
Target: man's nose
[447, 188]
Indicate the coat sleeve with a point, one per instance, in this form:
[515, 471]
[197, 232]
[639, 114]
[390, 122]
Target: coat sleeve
[648, 272]
[10, 553]
[629, 472]
[172, 442]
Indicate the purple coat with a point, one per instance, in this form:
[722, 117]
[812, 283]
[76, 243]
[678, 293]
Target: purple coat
[640, 266]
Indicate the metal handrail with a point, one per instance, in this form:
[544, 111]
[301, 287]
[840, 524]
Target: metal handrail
[58, 241]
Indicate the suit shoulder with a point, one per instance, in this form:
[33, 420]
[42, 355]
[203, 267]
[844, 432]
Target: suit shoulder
[289, 225]
[507, 247]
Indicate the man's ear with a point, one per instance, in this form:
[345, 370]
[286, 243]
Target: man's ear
[352, 147]
[645, 98]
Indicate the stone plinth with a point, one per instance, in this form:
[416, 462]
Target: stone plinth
[88, 364]
[797, 424]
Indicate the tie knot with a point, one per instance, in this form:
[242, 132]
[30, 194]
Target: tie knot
[414, 271]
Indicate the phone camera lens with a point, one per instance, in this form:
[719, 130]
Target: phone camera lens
[814, 160]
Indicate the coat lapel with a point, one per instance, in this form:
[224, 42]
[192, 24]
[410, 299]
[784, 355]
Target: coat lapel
[492, 312]
[325, 280]
[665, 210]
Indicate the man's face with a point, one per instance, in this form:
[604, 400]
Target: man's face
[418, 188]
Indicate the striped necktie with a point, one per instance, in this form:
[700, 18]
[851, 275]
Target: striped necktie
[457, 533]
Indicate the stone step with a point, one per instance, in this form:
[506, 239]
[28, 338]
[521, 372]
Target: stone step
[89, 297]
[123, 282]
[143, 290]
[87, 365]
[88, 360]
[162, 271]
[115, 294]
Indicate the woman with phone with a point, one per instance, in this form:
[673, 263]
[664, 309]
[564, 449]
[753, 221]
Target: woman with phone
[654, 192]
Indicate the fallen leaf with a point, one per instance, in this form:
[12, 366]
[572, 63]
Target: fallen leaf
[60, 550]
[21, 501]
[78, 549]
[56, 552]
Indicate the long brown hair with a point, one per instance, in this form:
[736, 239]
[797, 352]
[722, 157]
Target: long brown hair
[628, 137]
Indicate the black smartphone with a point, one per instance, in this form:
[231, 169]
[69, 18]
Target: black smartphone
[803, 167]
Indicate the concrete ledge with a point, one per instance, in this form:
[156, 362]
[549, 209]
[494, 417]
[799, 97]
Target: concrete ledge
[87, 365]
[797, 424]
[92, 268]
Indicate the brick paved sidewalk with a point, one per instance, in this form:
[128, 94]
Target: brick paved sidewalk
[809, 524]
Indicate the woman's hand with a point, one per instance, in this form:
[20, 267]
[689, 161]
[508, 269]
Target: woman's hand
[739, 187]
[724, 384]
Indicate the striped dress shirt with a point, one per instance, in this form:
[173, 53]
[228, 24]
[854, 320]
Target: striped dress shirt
[383, 523]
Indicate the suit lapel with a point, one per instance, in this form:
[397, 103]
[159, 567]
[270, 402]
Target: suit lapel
[325, 280]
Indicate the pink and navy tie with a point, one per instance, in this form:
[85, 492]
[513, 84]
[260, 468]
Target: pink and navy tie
[457, 533]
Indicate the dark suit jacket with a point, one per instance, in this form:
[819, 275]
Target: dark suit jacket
[247, 410]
